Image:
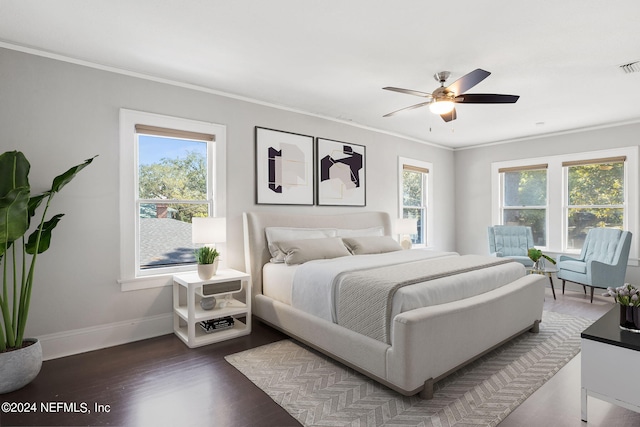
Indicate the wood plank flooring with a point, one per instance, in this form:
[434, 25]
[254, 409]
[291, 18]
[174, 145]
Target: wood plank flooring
[557, 402]
[161, 382]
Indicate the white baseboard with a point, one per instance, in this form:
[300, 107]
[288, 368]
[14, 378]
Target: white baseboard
[96, 337]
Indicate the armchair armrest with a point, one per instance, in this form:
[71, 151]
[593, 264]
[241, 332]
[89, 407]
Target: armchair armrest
[568, 258]
[602, 275]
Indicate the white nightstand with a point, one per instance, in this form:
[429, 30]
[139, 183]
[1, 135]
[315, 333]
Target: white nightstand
[189, 289]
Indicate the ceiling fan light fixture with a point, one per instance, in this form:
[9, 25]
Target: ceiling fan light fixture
[441, 107]
[442, 100]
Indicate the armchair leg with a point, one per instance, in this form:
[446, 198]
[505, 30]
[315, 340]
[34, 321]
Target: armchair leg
[583, 286]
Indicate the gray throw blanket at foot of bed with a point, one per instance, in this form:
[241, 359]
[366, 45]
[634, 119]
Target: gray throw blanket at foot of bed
[365, 297]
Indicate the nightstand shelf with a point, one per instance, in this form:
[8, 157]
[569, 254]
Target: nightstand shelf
[202, 338]
[233, 308]
[187, 313]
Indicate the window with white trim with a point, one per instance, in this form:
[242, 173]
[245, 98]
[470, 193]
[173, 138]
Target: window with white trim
[595, 197]
[172, 186]
[523, 199]
[583, 190]
[416, 196]
[172, 170]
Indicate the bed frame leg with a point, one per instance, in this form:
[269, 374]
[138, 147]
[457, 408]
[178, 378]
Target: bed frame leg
[427, 391]
[535, 328]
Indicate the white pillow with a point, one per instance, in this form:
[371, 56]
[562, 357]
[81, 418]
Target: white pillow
[280, 234]
[371, 245]
[358, 232]
[301, 251]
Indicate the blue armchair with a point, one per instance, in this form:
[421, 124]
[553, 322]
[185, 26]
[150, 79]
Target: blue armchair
[511, 241]
[602, 262]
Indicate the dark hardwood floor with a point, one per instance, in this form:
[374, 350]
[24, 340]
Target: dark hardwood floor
[155, 382]
[161, 382]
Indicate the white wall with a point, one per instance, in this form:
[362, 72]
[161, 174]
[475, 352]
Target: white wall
[473, 177]
[59, 114]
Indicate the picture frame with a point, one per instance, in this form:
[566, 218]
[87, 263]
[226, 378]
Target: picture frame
[284, 166]
[340, 173]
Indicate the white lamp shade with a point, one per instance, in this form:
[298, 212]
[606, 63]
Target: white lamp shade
[407, 226]
[208, 230]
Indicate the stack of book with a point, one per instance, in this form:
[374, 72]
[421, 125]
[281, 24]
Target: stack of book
[215, 325]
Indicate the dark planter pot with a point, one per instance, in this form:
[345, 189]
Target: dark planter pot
[630, 318]
[19, 367]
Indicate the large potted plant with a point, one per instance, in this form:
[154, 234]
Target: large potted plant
[20, 357]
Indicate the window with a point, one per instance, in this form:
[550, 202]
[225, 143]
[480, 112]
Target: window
[563, 197]
[173, 183]
[595, 197]
[524, 199]
[172, 170]
[415, 197]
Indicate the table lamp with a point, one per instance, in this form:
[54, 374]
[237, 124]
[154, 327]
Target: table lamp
[208, 231]
[405, 228]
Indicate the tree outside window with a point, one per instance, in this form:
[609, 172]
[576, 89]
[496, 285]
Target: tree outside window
[595, 191]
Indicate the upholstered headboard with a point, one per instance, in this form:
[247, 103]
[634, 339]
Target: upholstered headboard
[256, 252]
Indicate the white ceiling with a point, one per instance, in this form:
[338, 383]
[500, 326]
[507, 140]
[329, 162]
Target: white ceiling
[331, 58]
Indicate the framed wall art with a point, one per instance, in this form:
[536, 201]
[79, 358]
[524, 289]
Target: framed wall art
[284, 168]
[341, 173]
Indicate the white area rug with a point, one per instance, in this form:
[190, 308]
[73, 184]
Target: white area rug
[318, 391]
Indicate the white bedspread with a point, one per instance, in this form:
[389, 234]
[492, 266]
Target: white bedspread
[314, 283]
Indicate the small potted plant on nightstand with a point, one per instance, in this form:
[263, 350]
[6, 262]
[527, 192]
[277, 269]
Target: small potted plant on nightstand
[207, 259]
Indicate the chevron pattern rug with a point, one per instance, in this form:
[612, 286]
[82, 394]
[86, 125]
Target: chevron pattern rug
[319, 391]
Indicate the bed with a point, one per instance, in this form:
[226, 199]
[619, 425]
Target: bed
[408, 334]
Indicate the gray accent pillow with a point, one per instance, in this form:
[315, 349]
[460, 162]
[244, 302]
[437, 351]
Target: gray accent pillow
[301, 251]
[280, 234]
[371, 244]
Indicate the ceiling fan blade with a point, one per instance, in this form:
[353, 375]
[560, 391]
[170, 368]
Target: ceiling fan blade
[447, 117]
[422, 104]
[468, 81]
[408, 91]
[486, 98]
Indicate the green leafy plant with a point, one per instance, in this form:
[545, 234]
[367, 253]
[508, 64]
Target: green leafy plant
[536, 254]
[206, 255]
[626, 294]
[19, 252]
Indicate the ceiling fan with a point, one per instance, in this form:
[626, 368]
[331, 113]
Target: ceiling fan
[442, 100]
